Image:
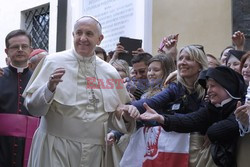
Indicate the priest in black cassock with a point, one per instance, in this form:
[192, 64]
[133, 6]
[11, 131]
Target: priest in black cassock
[16, 125]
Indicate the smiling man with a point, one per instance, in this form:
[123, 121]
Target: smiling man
[14, 117]
[74, 115]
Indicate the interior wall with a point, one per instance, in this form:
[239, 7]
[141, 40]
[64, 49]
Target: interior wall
[196, 21]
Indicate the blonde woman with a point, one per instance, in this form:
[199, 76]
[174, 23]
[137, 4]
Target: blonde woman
[183, 96]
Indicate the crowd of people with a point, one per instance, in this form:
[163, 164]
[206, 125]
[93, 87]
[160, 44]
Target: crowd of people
[86, 107]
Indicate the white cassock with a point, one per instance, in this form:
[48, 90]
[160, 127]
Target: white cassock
[74, 120]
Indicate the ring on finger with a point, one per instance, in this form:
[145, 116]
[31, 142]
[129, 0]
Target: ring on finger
[52, 76]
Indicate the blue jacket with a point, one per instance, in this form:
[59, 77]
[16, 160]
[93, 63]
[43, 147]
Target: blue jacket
[174, 99]
[169, 98]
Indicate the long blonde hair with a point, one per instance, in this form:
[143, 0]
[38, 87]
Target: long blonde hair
[196, 53]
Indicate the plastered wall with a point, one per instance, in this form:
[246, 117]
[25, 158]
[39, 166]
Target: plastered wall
[206, 22]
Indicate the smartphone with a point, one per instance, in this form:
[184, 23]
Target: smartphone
[161, 45]
[129, 44]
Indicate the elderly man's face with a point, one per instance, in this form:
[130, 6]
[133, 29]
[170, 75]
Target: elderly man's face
[86, 36]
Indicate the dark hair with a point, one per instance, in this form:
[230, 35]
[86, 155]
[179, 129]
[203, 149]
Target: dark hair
[15, 33]
[235, 53]
[243, 59]
[110, 53]
[142, 57]
[228, 47]
[101, 51]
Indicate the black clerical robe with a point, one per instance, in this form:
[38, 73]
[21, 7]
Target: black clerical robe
[12, 85]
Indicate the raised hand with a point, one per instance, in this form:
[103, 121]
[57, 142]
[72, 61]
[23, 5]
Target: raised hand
[239, 39]
[168, 43]
[137, 52]
[119, 49]
[55, 78]
[241, 113]
[151, 114]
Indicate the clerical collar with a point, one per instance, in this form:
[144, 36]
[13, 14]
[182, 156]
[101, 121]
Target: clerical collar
[224, 102]
[19, 69]
[84, 59]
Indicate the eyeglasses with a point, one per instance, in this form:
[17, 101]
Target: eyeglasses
[19, 47]
[199, 47]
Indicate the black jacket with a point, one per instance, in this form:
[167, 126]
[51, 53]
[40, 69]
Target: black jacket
[12, 85]
[218, 123]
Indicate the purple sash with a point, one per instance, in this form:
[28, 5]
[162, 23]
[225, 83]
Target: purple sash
[18, 125]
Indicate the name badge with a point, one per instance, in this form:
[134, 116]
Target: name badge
[175, 106]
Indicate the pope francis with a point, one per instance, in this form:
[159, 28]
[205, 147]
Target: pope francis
[74, 115]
